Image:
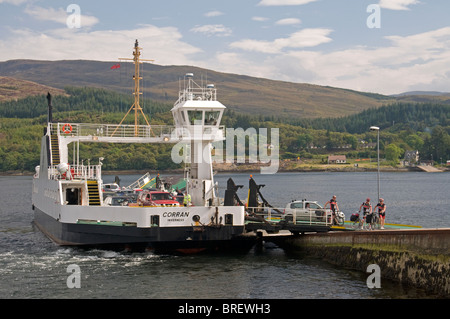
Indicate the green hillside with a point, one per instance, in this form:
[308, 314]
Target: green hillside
[404, 126]
[314, 121]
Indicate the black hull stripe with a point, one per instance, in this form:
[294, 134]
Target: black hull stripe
[153, 237]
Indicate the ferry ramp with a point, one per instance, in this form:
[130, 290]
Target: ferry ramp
[429, 169]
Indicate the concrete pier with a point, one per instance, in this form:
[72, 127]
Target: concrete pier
[418, 257]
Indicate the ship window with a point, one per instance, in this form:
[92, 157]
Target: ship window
[195, 116]
[154, 220]
[228, 219]
[297, 205]
[73, 196]
[211, 117]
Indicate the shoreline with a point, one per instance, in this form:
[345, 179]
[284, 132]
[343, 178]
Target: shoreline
[251, 169]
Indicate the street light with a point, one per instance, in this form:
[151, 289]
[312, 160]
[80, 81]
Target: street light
[376, 128]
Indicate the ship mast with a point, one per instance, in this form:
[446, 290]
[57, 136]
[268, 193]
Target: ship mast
[137, 91]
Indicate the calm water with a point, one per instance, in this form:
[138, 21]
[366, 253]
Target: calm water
[33, 267]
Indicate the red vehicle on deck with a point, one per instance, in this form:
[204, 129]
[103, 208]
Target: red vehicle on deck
[157, 199]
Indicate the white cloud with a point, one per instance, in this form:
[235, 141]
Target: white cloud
[419, 61]
[14, 2]
[213, 30]
[59, 15]
[213, 14]
[284, 2]
[299, 39]
[288, 21]
[163, 45]
[260, 19]
[397, 4]
[416, 62]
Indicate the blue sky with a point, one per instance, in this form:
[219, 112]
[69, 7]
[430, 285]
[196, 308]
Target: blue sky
[325, 42]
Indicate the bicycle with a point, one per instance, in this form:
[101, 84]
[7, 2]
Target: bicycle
[356, 220]
[371, 221]
[375, 222]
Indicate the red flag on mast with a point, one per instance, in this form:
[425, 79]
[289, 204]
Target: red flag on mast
[115, 66]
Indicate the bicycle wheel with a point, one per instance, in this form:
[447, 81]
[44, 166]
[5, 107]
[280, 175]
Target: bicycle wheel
[375, 222]
[361, 224]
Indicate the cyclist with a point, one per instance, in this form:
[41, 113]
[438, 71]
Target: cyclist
[381, 212]
[334, 208]
[367, 212]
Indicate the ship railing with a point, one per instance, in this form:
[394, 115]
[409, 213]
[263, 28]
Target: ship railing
[197, 94]
[163, 132]
[111, 130]
[294, 216]
[143, 180]
[75, 172]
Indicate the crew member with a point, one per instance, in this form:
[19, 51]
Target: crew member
[187, 200]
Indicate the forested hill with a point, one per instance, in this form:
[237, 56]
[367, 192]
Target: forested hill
[243, 94]
[415, 116]
[396, 116]
[78, 99]
[404, 126]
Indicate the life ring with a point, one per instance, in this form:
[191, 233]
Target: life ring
[67, 128]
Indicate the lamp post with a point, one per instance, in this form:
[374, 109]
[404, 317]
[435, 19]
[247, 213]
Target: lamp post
[376, 128]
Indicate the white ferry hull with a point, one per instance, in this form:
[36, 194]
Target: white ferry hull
[159, 239]
[159, 228]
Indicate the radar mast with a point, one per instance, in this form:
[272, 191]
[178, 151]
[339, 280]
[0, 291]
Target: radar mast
[137, 90]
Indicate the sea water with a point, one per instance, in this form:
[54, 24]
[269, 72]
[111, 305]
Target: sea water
[31, 266]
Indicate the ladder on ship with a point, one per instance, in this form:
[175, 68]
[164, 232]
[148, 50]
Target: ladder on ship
[55, 149]
[142, 182]
[94, 194]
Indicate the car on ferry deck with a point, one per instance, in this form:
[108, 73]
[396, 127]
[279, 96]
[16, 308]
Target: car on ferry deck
[118, 200]
[113, 187]
[306, 210]
[157, 198]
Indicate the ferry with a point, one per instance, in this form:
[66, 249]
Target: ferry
[67, 198]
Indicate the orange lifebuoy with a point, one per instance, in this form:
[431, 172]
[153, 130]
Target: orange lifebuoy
[67, 128]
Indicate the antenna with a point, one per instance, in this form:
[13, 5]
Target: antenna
[50, 108]
[137, 91]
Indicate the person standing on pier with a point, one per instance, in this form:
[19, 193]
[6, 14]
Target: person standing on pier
[381, 212]
[334, 208]
[367, 212]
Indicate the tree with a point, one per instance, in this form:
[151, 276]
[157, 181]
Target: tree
[304, 140]
[352, 140]
[441, 142]
[393, 152]
[414, 141]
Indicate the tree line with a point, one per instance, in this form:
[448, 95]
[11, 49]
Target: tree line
[404, 126]
[78, 99]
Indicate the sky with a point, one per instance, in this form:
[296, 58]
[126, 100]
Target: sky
[379, 46]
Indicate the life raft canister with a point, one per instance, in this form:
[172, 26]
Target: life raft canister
[67, 128]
